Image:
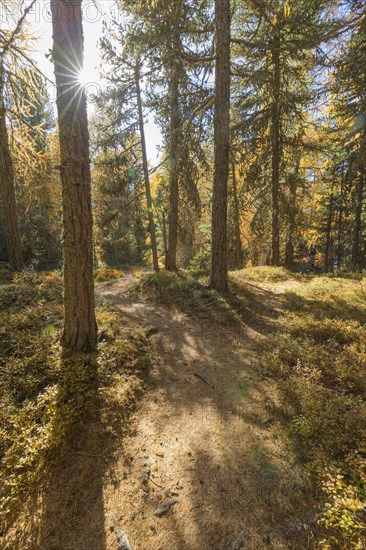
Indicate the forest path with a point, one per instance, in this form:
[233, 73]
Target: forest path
[207, 430]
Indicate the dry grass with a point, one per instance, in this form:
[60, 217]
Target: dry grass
[106, 274]
[61, 419]
[309, 338]
[277, 431]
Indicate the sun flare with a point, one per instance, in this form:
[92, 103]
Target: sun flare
[84, 77]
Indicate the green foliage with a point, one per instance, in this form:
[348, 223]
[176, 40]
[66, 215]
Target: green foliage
[344, 513]
[200, 262]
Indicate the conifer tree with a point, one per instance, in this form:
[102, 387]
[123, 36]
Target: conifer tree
[80, 328]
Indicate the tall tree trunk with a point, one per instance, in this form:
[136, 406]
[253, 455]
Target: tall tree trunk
[7, 189]
[219, 277]
[289, 255]
[356, 253]
[238, 247]
[80, 328]
[174, 156]
[328, 260]
[165, 236]
[275, 140]
[146, 173]
[340, 221]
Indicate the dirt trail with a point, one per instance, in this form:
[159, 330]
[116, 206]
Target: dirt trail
[206, 429]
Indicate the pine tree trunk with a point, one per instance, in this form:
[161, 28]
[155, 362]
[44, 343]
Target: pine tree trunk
[146, 174]
[7, 189]
[289, 253]
[219, 279]
[356, 253]
[80, 328]
[275, 139]
[238, 247]
[340, 222]
[165, 236]
[175, 123]
[328, 260]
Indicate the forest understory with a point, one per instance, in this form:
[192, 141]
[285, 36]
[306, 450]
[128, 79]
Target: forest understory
[214, 396]
[243, 412]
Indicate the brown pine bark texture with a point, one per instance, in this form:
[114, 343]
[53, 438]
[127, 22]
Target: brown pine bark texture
[221, 144]
[80, 328]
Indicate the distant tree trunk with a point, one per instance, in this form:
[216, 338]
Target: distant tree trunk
[165, 236]
[146, 173]
[340, 222]
[7, 189]
[174, 146]
[356, 252]
[289, 253]
[221, 145]
[275, 140]
[328, 259]
[238, 247]
[80, 328]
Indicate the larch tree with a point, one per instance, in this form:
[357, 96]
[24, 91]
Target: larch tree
[218, 277]
[8, 44]
[7, 188]
[80, 327]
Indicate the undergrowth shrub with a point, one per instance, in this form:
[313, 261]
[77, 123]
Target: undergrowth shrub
[108, 274]
[265, 273]
[318, 358]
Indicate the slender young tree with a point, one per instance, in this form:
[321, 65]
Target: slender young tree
[80, 328]
[218, 278]
[174, 158]
[149, 201]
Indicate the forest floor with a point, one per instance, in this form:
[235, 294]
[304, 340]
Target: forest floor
[250, 419]
[207, 431]
[210, 427]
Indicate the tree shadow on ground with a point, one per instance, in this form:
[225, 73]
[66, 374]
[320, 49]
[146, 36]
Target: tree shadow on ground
[207, 414]
[67, 510]
[333, 307]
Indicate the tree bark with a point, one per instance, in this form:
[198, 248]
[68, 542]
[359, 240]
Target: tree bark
[165, 236]
[80, 328]
[238, 247]
[146, 173]
[275, 140]
[289, 254]
[328, 260]
[219, 279]
[356, 253]
[174, 156]
[7, 189]
[340, 221]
